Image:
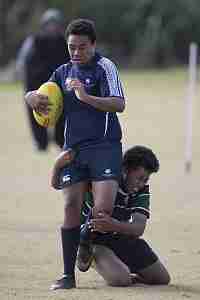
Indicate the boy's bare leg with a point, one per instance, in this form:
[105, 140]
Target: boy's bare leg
[116, 273]
[104, 194]
[110, 267]
[154, 274]
[63, 159]
[70, 234]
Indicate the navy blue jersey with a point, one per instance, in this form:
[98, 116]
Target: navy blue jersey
[84, 124]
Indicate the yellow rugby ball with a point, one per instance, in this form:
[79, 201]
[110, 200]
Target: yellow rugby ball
[54, 93]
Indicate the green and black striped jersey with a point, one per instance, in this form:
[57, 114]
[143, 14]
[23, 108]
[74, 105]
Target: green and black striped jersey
[125, 204]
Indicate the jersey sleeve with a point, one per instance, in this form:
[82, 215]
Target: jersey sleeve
[142, 202]
[57, 76]
[110, 83]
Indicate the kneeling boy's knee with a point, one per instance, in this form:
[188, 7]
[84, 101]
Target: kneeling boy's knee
[125, 281]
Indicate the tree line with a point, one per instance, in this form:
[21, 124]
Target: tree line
[134, 32]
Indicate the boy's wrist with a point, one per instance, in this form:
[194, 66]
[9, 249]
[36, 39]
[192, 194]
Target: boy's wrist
[29, 99]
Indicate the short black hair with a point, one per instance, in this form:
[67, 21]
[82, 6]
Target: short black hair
[141, 156]
[81, 27]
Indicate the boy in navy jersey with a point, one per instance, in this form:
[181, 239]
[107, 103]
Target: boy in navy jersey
[93, 95]
[121, 257]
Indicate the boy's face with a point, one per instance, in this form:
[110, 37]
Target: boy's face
[80, 48]
[136, 179]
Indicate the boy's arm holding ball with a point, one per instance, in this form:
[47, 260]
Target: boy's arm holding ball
[38, 102]
[47, 104]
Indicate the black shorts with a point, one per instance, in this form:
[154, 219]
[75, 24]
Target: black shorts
[135, 253]
[98, 162]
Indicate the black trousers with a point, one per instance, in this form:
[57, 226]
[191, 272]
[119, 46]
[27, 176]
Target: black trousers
[135, 253]
[40, 134]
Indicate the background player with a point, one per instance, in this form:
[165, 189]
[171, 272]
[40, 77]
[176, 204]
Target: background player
[40, 54]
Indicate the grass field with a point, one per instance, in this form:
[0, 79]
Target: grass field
[31, 212]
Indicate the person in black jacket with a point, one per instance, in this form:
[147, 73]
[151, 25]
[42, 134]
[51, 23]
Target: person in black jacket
[40, 54]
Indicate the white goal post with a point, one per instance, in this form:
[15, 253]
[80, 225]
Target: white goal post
[191, 94]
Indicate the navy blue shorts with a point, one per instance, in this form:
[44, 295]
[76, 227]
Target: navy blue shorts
[135, 253]
[97, 162]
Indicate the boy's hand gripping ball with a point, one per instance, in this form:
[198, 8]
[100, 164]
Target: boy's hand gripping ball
[55, 96]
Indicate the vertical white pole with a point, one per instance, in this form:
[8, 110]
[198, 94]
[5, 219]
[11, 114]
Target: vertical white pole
[189, 104]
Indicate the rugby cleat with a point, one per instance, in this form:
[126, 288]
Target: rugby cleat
[84, 257]
[65, 282]
[85, 251]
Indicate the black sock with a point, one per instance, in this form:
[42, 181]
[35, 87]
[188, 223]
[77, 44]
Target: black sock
[70, 243]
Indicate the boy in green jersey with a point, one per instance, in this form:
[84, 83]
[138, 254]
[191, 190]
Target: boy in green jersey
[114, 242]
